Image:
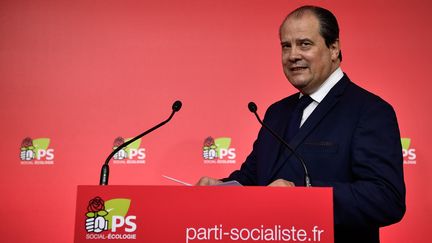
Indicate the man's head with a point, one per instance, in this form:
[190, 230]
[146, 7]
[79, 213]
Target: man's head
[310, 47]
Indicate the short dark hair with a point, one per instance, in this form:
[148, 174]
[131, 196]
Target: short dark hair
[329, 28]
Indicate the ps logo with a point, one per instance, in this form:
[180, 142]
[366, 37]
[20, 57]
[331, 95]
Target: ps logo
[229, 153]
[119, 221]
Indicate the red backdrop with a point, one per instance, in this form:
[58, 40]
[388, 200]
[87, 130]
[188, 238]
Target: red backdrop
[82, 73]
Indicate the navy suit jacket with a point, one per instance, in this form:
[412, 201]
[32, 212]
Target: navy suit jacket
[350, 142]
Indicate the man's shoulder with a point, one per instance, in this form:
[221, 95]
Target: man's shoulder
[349, 92]
[356, 94]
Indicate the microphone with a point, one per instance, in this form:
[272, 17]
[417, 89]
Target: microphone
[253, 108]
[105, 168]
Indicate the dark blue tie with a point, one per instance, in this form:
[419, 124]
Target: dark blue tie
[294, 124]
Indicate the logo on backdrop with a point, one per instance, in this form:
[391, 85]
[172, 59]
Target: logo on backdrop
[409, 153]
[218, 151]
[36, 152]
[109, 219]
[131, 154]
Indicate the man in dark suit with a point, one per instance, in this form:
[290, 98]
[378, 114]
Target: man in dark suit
[349, 138]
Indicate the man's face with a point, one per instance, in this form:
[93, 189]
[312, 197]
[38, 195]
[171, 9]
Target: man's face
[307, 61]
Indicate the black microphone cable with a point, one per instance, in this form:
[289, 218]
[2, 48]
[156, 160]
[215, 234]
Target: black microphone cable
[105, 168]
[253, 108]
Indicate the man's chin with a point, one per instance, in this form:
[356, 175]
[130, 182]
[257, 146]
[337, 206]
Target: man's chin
[298, 83]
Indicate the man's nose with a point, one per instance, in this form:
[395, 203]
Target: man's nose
[294, 54]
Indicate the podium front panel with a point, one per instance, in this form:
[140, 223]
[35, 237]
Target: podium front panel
[172, 214]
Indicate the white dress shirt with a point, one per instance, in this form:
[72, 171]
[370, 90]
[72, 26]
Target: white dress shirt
[321, 92]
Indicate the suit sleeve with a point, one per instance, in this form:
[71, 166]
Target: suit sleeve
[247, 174]
[376, 196]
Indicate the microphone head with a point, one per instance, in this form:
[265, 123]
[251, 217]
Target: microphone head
[252, 107]
[177, 105]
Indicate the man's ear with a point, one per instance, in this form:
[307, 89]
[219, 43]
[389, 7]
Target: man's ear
[335, 50]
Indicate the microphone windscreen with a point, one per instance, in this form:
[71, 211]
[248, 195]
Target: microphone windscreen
[252, 107]
[177, 105]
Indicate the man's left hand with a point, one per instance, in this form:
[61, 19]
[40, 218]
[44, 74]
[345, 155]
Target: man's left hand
[282, 182]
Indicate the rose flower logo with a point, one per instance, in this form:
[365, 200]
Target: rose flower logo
[96, 213]
[107, 215]
[27, 149]
[209, 149]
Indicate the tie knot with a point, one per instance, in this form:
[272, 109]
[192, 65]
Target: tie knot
[304, 101]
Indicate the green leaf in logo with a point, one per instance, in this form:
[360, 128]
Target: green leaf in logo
[41, 144]
[116, 207]
[406, 142]
[222, 143]
[135, 145]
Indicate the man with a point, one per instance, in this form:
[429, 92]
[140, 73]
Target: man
[348, 137]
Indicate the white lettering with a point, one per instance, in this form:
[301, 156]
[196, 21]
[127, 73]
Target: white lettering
[138, 153]
[117, 222]
[230, 153]
[49, 154]
[132, 225]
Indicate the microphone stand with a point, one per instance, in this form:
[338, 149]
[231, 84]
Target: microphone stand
[105, 168]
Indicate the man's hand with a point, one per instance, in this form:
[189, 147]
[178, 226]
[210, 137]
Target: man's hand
[282, 182]
[208, 181]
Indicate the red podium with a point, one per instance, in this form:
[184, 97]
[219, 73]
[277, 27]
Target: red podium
[172, 214]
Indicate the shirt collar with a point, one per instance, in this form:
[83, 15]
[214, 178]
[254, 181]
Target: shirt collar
[325, 87]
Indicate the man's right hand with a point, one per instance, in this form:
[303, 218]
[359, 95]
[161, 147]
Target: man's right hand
[208, 181]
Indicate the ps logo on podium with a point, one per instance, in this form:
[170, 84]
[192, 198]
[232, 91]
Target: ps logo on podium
[109, 219]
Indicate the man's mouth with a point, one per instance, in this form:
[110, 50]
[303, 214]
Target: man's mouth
[294, 69]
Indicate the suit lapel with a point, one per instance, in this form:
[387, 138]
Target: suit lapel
[330, 100]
